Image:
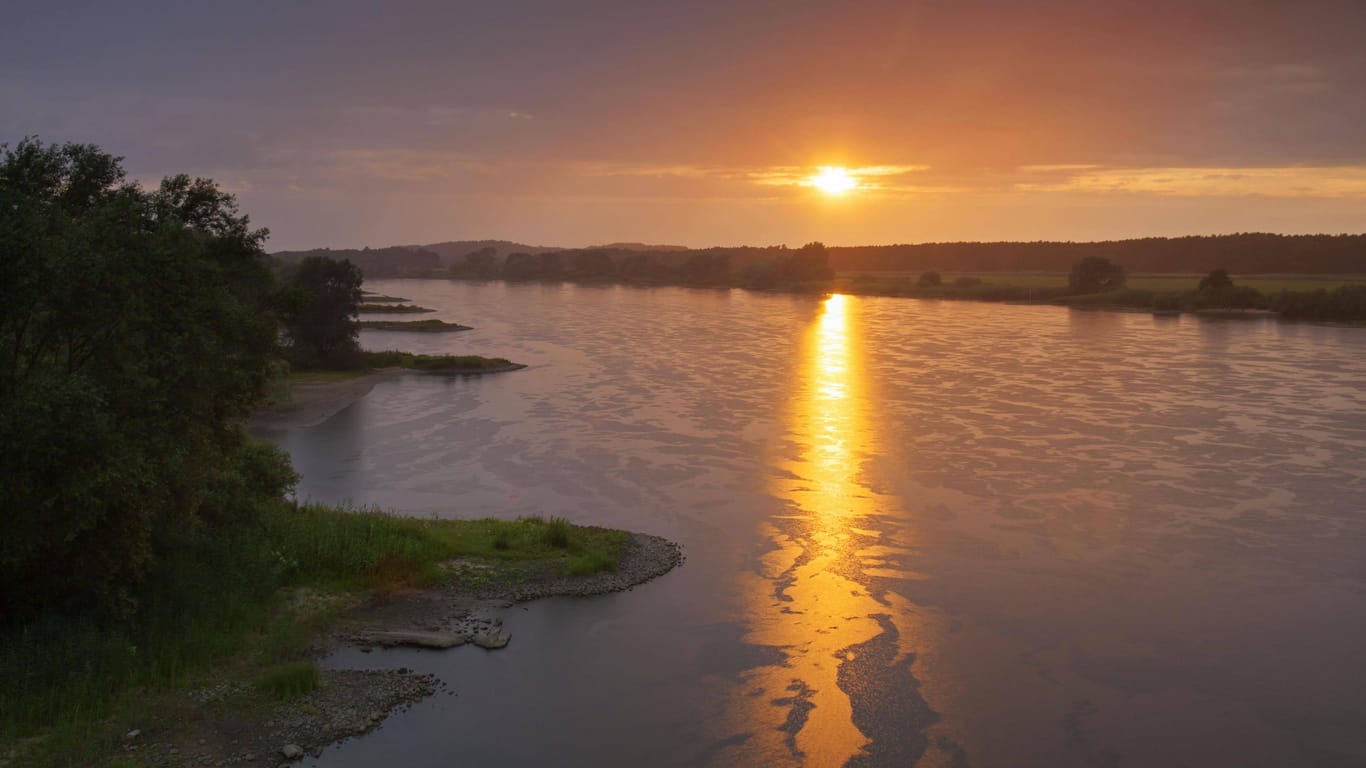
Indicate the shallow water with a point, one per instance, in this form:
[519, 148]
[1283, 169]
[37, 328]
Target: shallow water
[918, 533]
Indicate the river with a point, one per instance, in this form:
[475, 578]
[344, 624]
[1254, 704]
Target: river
[917, 533]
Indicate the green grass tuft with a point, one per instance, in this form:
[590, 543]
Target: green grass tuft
[558, 533]
[593, 562]
[287, 681]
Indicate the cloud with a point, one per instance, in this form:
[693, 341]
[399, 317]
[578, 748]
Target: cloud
[1290, 182]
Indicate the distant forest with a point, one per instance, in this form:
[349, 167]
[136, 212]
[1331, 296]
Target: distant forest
[1241, 254]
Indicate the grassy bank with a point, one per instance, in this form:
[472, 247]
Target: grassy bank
[421, 326]
[392, 308]
[216, 609]
[436, 363]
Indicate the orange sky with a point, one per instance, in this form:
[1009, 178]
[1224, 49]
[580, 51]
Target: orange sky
[570, 124]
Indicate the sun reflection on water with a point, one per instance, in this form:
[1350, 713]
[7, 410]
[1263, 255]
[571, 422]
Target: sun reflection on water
[811, 600]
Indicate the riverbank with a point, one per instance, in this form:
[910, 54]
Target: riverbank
[228, 723]
[357, 578]
[311, 401]
[315, 396]
[413, 326]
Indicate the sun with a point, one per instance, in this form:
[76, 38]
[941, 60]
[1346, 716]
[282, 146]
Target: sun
[833, 180]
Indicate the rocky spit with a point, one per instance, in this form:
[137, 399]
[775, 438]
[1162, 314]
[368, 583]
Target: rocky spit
[219, 730]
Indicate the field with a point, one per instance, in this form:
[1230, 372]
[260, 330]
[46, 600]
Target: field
[1267, 284]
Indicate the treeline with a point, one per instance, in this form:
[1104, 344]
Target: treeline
[1246, 254]
[394, 261]
[745, 267]
[1097, 282]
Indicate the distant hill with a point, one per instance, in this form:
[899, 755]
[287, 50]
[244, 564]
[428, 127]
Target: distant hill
[637, 247]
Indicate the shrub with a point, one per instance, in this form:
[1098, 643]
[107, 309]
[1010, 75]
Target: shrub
[1094, 274]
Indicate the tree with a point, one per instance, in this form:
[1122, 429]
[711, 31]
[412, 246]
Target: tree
[930, 280]
[482, 263]
[1095, 274]
[809, 263]
[321, 323]
[135, 334]
[1216, 280]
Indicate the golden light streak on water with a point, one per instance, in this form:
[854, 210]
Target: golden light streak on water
[808, 601]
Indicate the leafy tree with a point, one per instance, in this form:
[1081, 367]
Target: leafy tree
[134, 337]
[930, 280]
[321, 321]
[1095, 274]
[1216, 280]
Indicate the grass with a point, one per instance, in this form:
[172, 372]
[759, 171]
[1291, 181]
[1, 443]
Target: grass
[288, 681]
[392, 308]
[425, 326]
[324, 377]
[217, 601]
[452, 363]
[375, 298]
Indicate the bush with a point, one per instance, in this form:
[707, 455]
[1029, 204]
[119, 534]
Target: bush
[253, 475]
[1216, 280]
[1094, 274]
[930, 280]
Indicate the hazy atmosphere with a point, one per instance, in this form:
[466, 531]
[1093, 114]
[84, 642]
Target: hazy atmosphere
[772, 383]
[569, 124]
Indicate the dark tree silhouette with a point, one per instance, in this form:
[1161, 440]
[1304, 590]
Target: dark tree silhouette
[1095, 274]
[930, 280]
[1217, 280]
[321, 321]
[135, 333]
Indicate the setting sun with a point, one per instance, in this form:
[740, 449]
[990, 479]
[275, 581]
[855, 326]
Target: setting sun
[833, 181]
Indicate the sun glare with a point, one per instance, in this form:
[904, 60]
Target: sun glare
[833, 181]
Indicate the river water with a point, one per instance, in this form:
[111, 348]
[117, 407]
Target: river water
[918, 533]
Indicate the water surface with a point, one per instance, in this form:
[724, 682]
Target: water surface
[918, 533]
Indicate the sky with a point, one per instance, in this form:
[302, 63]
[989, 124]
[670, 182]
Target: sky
[549, 122]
